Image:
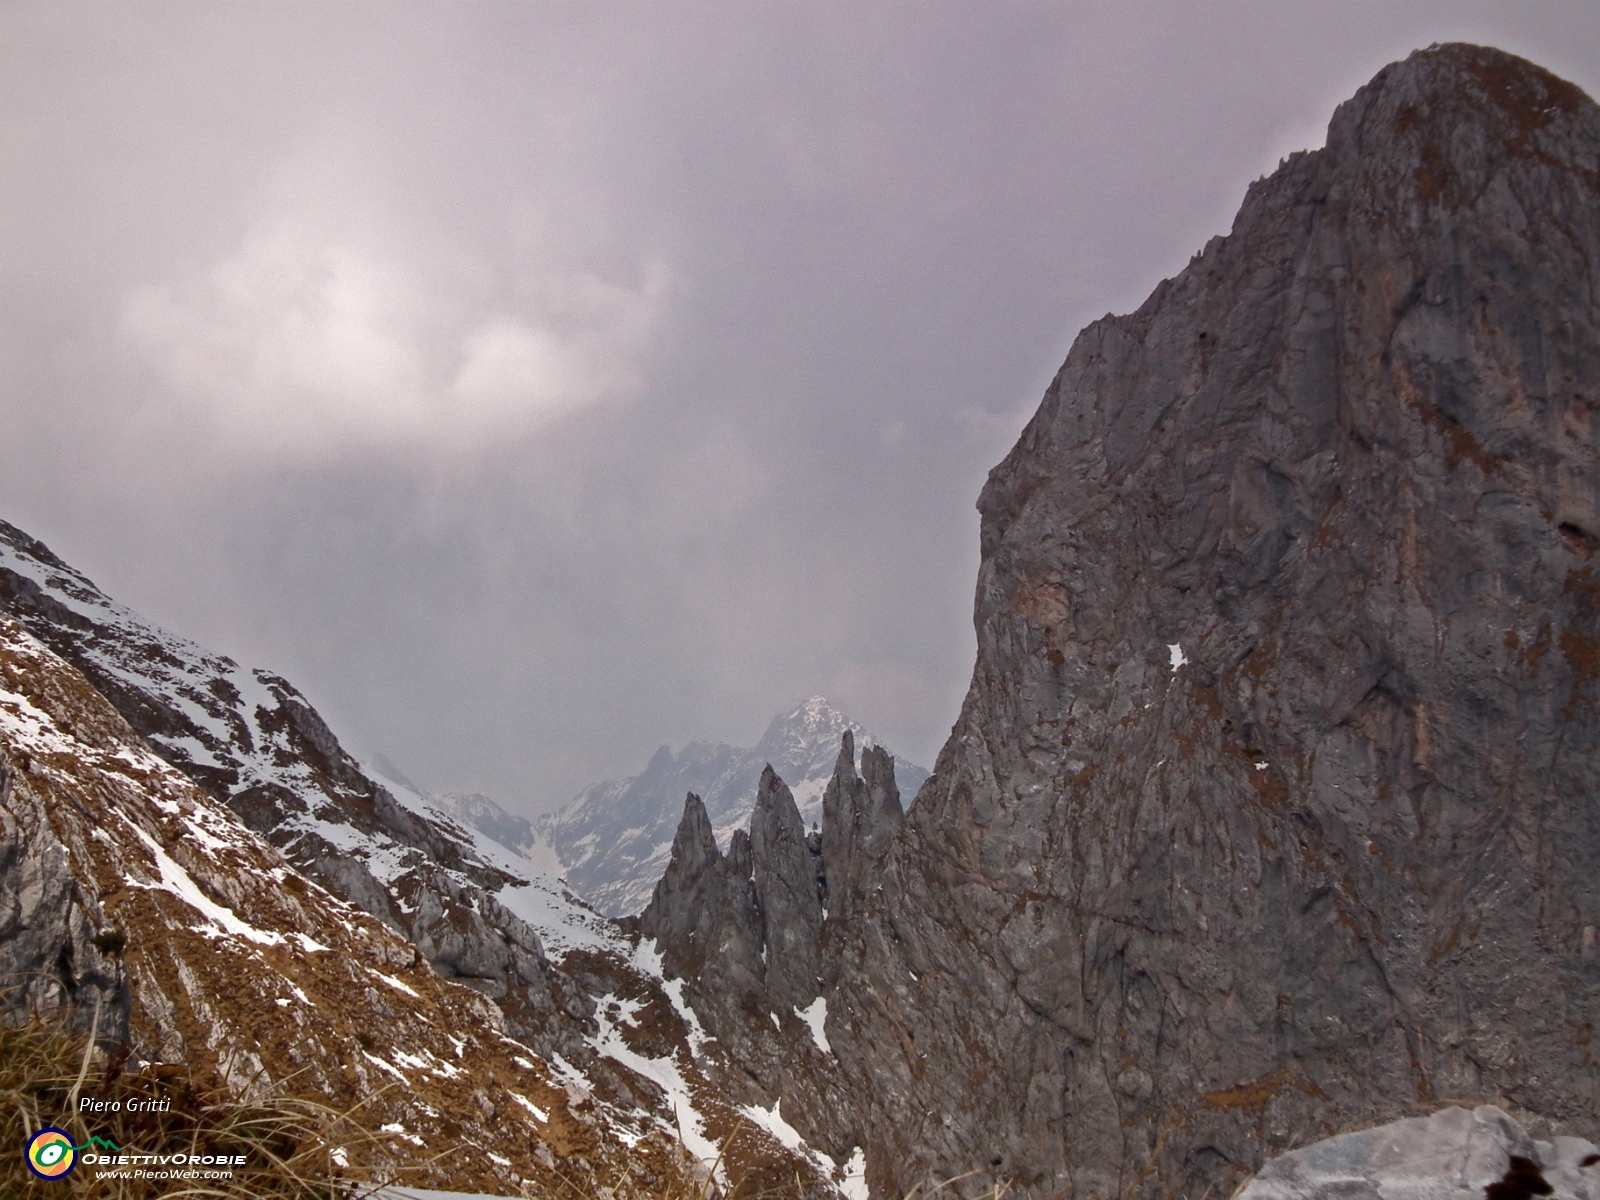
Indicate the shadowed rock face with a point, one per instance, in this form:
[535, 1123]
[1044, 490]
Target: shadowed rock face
[860, 814]
[786, 878]
[1271, 808]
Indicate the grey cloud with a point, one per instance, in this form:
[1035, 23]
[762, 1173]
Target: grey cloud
[536, 384]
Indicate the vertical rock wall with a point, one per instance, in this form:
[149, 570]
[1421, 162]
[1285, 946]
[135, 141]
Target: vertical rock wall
[1271, 810]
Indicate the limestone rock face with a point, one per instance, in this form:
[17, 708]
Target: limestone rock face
[749, 937]
[860, 816]
[131, 893]
[254, 743]
[1271, 810]
[1452, 1155]
[705, 922]
[785, 875]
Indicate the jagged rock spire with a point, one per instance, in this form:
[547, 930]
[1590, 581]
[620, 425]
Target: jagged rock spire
[703, 914]
[785, 877]
[860, 814]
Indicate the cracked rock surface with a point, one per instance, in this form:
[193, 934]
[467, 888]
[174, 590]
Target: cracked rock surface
[1271, 810]
[1452, 1155]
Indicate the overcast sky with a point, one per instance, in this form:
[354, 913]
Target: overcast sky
[535, 384]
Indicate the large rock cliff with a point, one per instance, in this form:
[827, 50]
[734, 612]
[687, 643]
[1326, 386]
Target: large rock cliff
[1271, 809]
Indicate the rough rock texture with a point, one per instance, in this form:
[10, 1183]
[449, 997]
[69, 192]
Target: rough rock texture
[1271, 808]
[256, 744]
[614, 840]
[788, 887]
[860, 816]
[130, 892]
[1452, 1155]
[756, 947]
[703, 915]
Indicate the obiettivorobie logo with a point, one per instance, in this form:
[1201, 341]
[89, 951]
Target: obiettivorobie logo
[51, 1154]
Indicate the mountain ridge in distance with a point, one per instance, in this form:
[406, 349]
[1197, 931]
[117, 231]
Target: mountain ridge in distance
[614, 840]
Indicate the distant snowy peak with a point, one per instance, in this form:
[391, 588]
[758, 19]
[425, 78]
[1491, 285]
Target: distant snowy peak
[88, 688]
[483, 814]
[613, 841]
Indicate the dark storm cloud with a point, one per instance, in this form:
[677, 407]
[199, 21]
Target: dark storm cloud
[536, 384]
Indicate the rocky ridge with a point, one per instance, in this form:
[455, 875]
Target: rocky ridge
[258, 746]
[573, 993]
[755, 937]
[614, 840]
[1270, 809]
[131, 893]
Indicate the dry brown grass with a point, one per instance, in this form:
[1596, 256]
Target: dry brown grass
[48, 1062]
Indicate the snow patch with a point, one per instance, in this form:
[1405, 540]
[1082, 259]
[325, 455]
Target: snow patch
[180, 883]
[647, 958]
[539, 1113]
[814, 1014]
[773, 1122]
[400, 1130]
[664, 1072]
[398, 984]
[853, 1186]
[1176, 655]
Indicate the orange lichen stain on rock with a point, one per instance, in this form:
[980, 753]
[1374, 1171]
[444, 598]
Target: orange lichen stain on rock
[1270, 787]
[1044, 604]
[1540, 647]
[1528, 94]
[1582, 653]
[1257, 1094]
[1580, 648]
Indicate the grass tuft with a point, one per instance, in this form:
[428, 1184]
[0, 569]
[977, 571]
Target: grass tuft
[296, 1148]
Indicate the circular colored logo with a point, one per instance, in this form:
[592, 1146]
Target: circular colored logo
[51, 1154]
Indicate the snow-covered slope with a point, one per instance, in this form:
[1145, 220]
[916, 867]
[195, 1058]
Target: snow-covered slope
[131, 893]
[615, 838]
[585, 1002]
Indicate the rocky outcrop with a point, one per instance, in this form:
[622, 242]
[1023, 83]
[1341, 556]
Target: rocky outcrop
[860, 816]
[1452, 1155]
[615, 839]
[1270, 810]
[131, 894]
[787, 878]
[703, 916]
[757, 949]
[257, 745]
